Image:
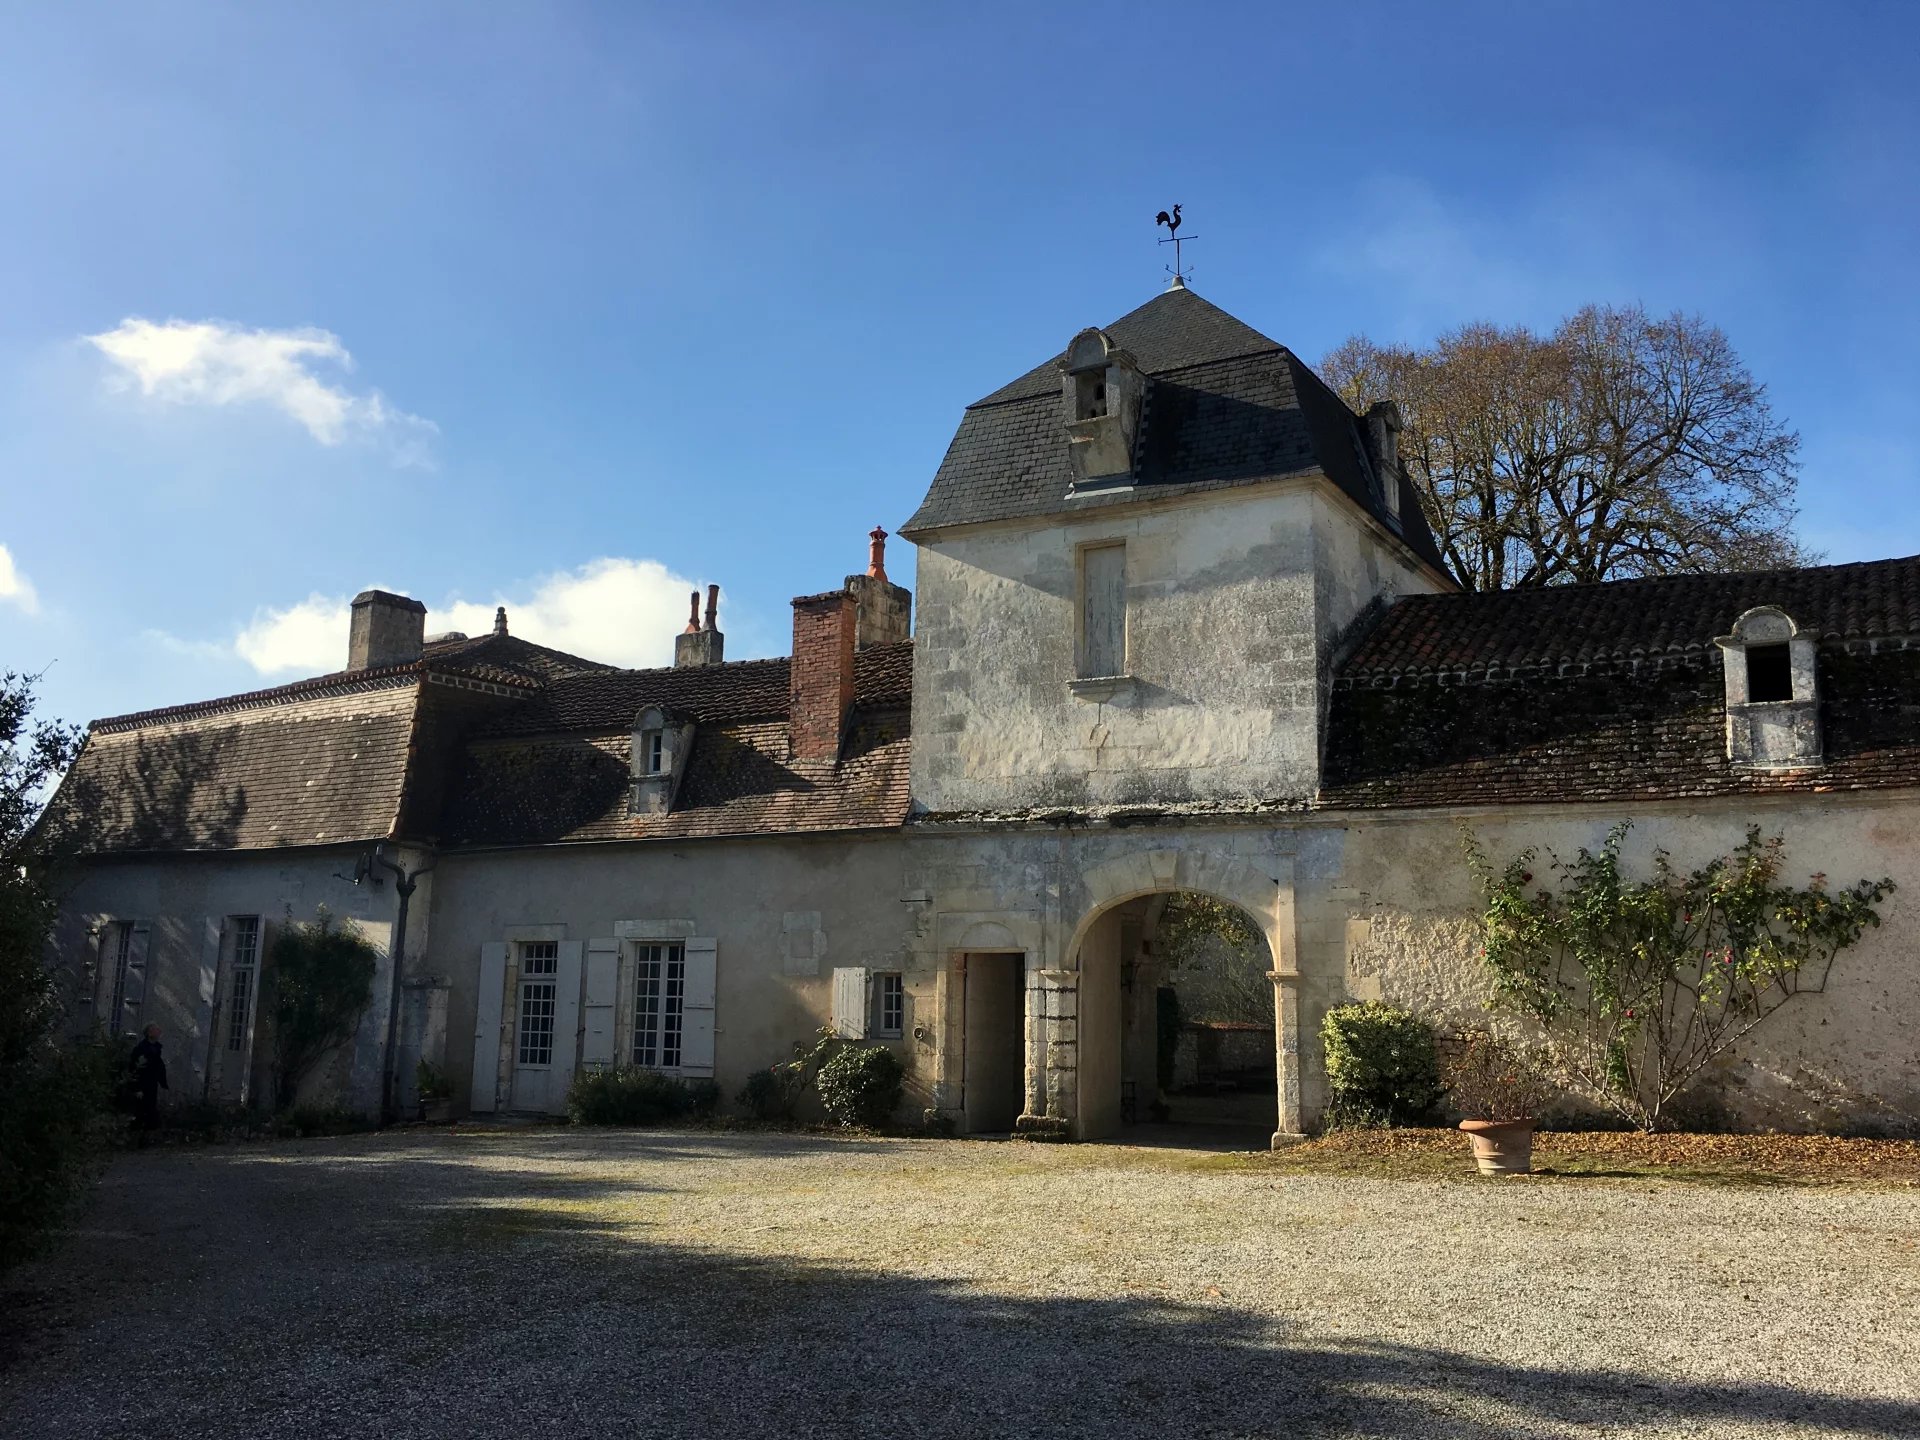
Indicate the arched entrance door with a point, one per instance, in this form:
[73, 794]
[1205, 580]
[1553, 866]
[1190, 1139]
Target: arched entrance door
[1176, 1022]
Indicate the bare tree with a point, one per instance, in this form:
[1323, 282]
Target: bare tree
[1620, 445]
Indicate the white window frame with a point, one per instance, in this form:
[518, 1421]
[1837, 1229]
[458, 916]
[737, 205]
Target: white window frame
[659, 1000]
[121, 948]
[540, 1008]
[242, 983]
[889, 1004]
[654, 762]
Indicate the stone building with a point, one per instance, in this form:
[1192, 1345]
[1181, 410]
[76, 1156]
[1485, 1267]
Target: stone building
[1181, 628]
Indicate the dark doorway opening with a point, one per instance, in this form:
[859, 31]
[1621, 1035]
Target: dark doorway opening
[994, 1080]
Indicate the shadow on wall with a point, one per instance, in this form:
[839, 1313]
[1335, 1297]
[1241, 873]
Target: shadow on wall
[613, 1332]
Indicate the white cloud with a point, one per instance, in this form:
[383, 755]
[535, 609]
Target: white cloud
[310, 637]
[621, 611]
[15, 588]
[211, 362]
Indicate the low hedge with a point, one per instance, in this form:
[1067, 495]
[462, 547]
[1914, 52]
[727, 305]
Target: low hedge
[861, 1085]
[631, 1096]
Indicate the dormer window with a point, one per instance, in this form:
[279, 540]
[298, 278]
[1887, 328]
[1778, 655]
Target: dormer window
[1104, 393]
[1772, 692]
[661, 742]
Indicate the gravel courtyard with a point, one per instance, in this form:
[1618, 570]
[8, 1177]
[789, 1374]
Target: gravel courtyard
[680, 1284]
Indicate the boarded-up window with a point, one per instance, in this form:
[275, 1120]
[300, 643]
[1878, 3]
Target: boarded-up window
[1103, 610]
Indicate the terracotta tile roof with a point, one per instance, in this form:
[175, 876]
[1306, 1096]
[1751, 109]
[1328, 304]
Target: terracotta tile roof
[739, 690]
[739, 781]
[1225, 406]
[322, 769]
[1616, 692]
[1675, 614]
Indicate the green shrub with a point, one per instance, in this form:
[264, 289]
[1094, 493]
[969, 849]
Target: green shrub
[319, 982]
[430, 1082]
[1382, 1067]
[861, 1085]
[773, 1094]
[632, 1096]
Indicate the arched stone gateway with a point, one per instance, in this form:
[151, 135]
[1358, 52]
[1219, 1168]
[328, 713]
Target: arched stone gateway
[1073, 1075]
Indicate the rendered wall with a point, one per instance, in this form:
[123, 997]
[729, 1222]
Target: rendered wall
[177, 897]
[1232, 599]
[785, 913]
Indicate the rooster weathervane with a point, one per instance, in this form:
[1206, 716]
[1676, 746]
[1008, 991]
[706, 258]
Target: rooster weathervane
[1173, 238]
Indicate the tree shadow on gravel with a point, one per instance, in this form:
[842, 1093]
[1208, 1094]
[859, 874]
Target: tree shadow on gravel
[467, 1301]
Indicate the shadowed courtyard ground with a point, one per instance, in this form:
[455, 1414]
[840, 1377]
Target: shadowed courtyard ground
[554, 1283]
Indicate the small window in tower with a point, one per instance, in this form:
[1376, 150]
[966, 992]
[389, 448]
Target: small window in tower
[1769, 673]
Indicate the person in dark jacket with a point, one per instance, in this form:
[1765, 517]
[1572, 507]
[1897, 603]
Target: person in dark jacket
[149, 1079]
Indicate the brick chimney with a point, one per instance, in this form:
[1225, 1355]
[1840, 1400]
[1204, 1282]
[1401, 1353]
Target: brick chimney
[386, 629]
[884, 610]
[697, 645]
[820, 687]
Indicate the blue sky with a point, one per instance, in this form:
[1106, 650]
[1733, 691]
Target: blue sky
[569, 307]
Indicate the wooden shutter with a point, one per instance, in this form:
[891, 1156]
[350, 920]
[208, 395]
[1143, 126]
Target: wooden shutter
[486, 1029]
[1103, 615]
[566, 1022]
[253, 1007]
[850, 1002]
[135, 998]
[696, 1013]
[597, 1003]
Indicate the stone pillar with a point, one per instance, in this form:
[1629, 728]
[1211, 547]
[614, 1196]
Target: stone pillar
[1053, 1054]
[1286, 1054]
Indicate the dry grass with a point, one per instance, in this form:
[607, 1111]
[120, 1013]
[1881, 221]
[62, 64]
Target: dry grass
[1710, 1159]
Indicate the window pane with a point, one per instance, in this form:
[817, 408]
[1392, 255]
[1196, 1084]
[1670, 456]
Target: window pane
[539, 964]
[1103, 623]
[659, 1000]
[1769, 673]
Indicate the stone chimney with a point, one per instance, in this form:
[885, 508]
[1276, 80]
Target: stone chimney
[697, 645]
[1383, 449]
[883, 611]
[820, 684]
[385, 630]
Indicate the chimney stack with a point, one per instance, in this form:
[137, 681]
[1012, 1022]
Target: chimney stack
[696, 645]
[884, 610]
[820, 683]
[386, 629]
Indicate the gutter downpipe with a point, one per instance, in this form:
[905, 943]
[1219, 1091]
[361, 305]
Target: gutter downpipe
[403, 886]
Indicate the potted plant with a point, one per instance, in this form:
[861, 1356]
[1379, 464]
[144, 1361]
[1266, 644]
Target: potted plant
[1500, 1090]
[430, 1083]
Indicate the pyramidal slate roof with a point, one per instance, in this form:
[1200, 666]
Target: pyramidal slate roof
[1225, 406]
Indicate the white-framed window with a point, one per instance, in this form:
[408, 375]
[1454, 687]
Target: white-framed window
[653, 759]
[1103, 610]
[1773, 691]
[116, 948]
[539, 981]
[659, 1004]
[246, 964]
[889, 1004]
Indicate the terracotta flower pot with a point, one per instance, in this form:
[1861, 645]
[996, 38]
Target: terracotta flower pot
[1501, 1147]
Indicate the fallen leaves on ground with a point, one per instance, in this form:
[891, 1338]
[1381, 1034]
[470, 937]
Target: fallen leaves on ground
[1751, 1159]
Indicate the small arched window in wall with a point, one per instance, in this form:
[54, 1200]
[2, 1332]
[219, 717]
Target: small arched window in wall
[1772, 692]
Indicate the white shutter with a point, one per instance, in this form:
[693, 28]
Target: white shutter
[597, 1003]
[208, 1014]
[696, 1013]
[850, 1002]
[486, 1029]
[136, 992]
[566, 1023]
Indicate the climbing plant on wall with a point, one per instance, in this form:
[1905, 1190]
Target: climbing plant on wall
[321, 978]
[1640, 984]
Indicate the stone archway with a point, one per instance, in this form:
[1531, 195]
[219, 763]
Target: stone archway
[1054, 1001]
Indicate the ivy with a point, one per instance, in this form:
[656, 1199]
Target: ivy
[1640, 984]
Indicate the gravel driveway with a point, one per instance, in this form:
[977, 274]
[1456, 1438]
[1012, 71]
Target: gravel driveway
[674, 1284]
